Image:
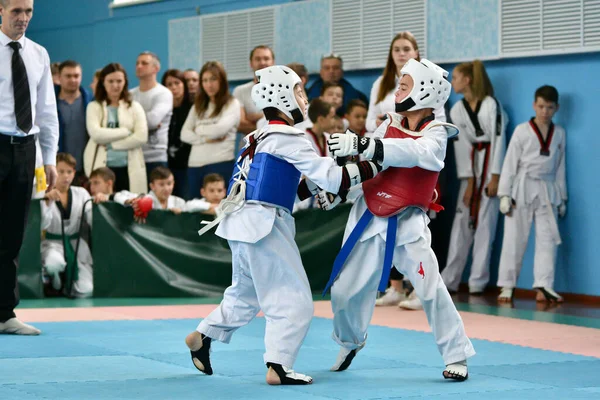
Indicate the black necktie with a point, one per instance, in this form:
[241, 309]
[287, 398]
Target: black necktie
[21, 90]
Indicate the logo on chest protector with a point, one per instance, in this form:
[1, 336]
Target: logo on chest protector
[421, 271]
[384, 195]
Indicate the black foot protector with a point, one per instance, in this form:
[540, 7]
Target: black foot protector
[201, 357]
[288, 376]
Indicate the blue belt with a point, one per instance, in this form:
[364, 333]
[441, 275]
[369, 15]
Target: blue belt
[390, 243]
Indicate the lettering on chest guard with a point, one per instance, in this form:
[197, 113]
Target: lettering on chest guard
[384, 195]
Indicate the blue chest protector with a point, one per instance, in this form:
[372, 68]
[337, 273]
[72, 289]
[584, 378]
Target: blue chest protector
[271, 180]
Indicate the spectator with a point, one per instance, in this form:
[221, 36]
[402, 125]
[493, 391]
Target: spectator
[72, 101]
[157, 102]
[260, 57]
[211, 127]
[65, 256]
[402, 48]
[118, 130]
[321, 114]
[212, 192]
[162, 183]
[333, 93]
[179, 152]
[102, 183]
[337, 124]
[95, 81]
[193, 81]
[356, 115]
[332, 71]
[54, 67]
[479, 153]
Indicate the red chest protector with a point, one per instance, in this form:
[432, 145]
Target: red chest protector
[395, 189]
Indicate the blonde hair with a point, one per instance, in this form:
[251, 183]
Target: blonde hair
[480, 83]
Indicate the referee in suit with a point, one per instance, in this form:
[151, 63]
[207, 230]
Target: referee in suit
[27, 112]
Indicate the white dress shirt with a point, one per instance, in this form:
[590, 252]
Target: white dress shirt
[41, 90]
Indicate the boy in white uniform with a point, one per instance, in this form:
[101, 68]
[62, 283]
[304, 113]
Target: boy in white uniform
[212, 192]
[533, 187]
[63, 251]
[267, 270]
[388, 223]
[162, 183]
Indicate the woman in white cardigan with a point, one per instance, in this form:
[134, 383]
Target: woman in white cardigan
[117, 127]
[211, 128]
[403, 47]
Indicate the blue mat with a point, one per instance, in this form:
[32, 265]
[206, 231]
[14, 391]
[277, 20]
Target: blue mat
[149, 360]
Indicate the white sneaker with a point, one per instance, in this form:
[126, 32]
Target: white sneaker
[391, 298]
[412, 303]
[16, 327]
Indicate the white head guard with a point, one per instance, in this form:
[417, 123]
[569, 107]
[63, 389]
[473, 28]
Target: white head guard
[275, 88]
[430, 90]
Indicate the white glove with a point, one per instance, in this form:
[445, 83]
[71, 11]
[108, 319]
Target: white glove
[505, 204]
[328, 201]
[343, 144]
[562, 209]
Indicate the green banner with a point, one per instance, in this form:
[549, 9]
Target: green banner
[165, 257]
[30, 257]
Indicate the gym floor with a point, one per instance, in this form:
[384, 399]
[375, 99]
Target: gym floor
[134, 349]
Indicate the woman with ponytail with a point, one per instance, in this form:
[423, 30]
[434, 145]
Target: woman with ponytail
[479, 151]
[402, 48]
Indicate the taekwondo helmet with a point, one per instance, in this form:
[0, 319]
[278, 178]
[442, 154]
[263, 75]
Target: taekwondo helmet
[275, 88]
[431, 88]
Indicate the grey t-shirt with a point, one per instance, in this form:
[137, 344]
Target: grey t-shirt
[75, 135]
[158, 105]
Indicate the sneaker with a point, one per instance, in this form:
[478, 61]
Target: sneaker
[411, 303]
[391, 298]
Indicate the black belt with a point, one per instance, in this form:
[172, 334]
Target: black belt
[16, 139]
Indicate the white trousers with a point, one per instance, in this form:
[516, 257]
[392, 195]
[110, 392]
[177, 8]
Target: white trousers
[517, 227]
[353, 295]
[462, 237]
[268, 276]
[53, 259]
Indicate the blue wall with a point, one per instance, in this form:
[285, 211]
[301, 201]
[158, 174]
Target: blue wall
[86, 31]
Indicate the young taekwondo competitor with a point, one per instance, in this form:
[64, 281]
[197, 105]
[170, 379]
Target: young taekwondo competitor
[256, 220]
[388, 222]
[533, 188]
[65, 256]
